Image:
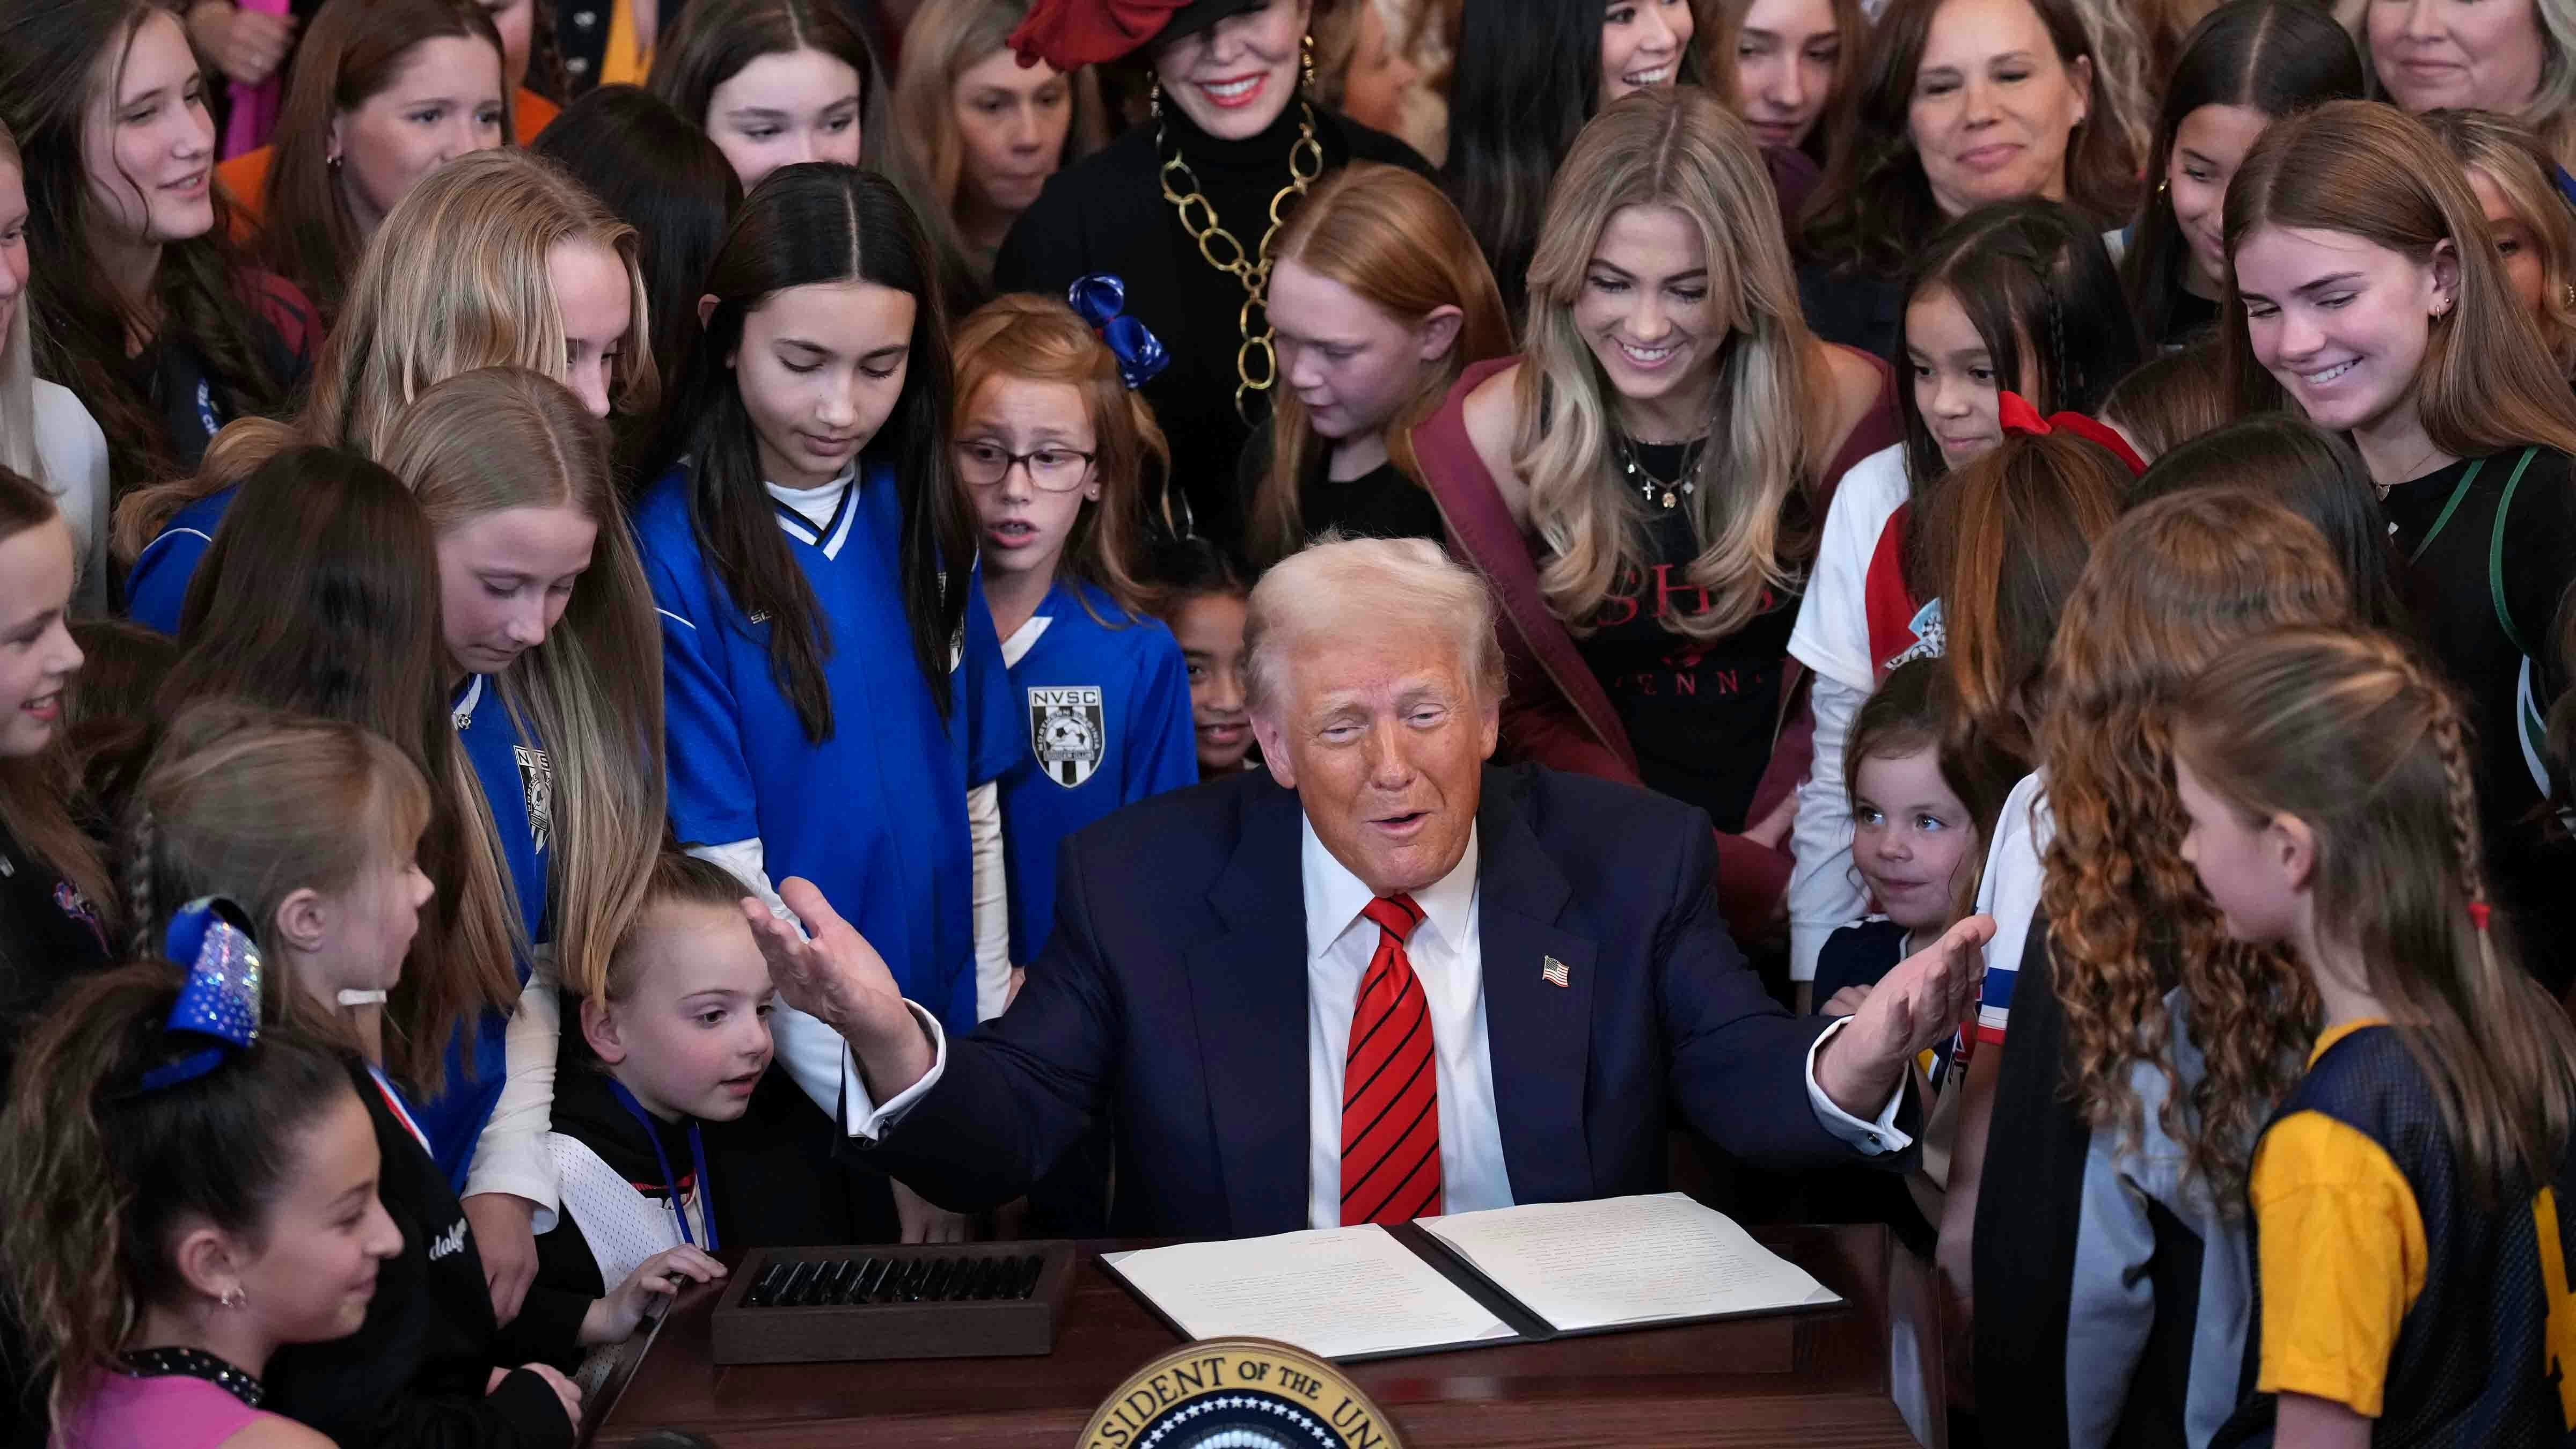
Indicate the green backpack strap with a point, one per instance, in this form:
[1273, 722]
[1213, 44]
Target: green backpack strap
[2495, 552]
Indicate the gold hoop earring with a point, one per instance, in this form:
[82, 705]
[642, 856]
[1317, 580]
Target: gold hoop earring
[1306, 58]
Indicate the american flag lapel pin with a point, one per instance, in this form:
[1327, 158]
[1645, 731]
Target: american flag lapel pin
[1553, 972]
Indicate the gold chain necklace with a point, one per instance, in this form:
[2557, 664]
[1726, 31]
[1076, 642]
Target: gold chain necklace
[1305, 165]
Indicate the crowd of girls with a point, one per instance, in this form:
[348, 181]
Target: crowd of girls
[488, 487]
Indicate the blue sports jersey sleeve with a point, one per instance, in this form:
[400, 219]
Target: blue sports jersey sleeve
[158, 585]
[994, 734]
[712, 794]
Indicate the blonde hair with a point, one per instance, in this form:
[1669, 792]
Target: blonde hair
[455, 279]
[1394, 239]
[1340, 585]
[1769, 407]
[943, 42]
[2551, 112]
[2372, 171]
[255, 804]
[2350, 735]
[2521, 169]
[2176, 584]
[1040, 339]
[591, 695]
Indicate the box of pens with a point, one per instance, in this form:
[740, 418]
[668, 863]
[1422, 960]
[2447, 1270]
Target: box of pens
[954, 1300]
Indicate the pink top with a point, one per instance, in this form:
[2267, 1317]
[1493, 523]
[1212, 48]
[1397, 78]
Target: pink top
[171, 1411]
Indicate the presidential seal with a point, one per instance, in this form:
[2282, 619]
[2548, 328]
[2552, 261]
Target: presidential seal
[1239, 1393]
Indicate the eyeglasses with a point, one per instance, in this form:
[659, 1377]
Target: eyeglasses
[1054, 468]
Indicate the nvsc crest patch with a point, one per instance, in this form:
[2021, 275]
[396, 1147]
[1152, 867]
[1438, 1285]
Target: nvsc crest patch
[1239, 1393]
[1068, 731]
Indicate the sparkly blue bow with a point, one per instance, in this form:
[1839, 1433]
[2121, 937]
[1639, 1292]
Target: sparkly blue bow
[1097, 299]
[221, 997]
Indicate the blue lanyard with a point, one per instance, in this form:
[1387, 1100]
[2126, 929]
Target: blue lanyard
[697, 1156]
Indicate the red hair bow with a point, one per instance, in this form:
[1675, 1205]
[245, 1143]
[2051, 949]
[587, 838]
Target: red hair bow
[1070, 34]
[2018, 416]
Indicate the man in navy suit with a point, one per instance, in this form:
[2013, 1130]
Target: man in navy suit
[1385, 981]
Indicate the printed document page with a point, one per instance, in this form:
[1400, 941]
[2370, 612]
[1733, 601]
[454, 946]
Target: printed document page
[1334, 1292]
[1626, 1260]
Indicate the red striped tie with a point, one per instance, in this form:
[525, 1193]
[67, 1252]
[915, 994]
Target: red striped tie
[1390, 1087]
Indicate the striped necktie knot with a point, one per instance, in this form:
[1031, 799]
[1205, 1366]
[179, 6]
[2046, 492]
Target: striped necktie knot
[1396, 915]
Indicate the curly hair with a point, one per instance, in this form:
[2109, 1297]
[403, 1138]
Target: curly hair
[2176, 583]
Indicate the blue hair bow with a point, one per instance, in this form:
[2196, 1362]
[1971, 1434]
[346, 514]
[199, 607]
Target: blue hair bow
[220, 999]
[1097, 299]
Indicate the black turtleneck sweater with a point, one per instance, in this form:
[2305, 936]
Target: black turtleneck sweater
[1108, 215]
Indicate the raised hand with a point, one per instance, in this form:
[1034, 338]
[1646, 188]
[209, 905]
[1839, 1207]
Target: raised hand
[1915, 1006]
[833, 975]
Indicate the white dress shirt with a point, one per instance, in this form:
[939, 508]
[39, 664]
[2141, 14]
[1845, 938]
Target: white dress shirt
[1448, 958]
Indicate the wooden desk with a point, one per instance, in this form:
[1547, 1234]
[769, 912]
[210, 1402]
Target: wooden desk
[1806, 1381]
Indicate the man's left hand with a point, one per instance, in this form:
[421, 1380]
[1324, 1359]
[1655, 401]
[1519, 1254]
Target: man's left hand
[1915, 1006]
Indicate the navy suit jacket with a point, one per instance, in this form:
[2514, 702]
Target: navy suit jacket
[1171, 999]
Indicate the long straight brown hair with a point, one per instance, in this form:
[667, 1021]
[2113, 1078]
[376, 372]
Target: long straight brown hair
[1394, 239]
[2009, 535]
[2352, 736]
[354, 50]
[2371, 171]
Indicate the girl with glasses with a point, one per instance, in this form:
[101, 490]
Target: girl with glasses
[1052, 447]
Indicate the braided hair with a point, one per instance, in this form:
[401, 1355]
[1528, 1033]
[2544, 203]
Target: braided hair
[2353, 736]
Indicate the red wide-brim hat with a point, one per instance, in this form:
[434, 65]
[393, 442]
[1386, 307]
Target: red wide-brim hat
[1070, 34]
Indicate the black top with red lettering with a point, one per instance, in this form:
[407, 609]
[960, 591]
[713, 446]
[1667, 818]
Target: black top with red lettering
[1701, 715]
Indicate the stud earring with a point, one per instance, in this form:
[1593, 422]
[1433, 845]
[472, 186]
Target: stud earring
[234, 1297]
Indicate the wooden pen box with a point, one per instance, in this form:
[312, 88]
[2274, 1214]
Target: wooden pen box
[834, 1305]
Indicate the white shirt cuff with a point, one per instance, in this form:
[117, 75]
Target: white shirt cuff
[1872, 1138]
[869, 1122]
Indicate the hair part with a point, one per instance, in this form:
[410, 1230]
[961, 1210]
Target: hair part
[496, 439]
[821, 222]
[2038, 286]
[662, 176]
[319, 595]
[1395, 241]
[2352, 736]
[457, 278]
[2373, 172]
[677, 880]
[1039, 339]
[103, 1177]
[1340, 587]
[1675, 147]
[354, 51]
[2176, 584]
[53, 55]
[2273, 57]
[1875, 204]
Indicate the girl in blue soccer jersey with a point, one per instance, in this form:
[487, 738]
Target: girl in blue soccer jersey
[2410, 1196]
[552, 666]
[1052, 448]
[833, 687]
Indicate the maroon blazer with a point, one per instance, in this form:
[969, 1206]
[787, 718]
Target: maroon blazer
[1556, 713]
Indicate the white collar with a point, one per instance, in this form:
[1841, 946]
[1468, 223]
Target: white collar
[1335, 897]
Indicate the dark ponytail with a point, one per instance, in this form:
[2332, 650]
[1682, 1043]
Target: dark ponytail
[100, 1172]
